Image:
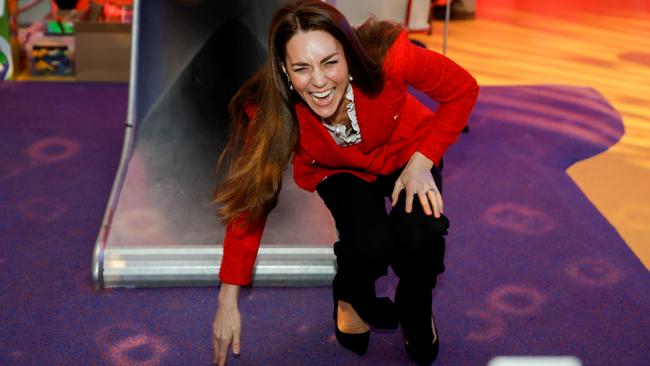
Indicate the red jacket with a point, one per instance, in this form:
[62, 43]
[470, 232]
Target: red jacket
[393, 125]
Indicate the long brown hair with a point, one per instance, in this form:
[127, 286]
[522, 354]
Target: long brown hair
[264, 128]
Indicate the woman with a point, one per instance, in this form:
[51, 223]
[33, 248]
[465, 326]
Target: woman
[336, 99]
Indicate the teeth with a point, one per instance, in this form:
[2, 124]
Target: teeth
[323, 94]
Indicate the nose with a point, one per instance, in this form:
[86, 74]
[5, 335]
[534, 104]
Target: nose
[318, 78]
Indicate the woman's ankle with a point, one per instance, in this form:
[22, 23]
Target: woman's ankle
[347, 319]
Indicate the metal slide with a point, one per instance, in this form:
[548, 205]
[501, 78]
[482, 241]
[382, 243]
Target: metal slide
[160, 229]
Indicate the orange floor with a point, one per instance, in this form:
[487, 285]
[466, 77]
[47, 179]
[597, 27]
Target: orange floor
[601, 44]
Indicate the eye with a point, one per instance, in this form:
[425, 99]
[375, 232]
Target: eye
[300, 70]
[332, 62]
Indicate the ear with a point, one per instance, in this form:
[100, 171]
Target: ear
[284, 69]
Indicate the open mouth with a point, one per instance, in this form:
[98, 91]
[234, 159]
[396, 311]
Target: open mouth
[323, 97]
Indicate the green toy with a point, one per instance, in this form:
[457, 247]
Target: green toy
[7, 34]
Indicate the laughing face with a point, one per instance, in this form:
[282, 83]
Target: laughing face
[316, 65]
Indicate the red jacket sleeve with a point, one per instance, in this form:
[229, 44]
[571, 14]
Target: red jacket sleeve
[443, 81]
[240, 247]
[241, 242]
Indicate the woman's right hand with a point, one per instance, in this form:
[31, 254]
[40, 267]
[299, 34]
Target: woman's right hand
[226, 329]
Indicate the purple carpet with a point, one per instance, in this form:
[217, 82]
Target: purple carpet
[532, 267]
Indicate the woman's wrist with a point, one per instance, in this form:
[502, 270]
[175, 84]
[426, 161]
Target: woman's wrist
[228, 295]
[421, 160]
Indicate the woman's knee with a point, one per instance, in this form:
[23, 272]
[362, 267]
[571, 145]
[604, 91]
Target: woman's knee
[418, 228]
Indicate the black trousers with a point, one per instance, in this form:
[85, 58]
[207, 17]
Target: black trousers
[370, 239]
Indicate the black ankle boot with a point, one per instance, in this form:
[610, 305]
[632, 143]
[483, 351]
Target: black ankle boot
[420, 335]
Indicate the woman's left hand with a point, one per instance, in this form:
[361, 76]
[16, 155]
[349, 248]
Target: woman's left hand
[416, 179]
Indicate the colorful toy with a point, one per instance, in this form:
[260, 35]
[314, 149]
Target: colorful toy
[7, 39]
[51, 60]
[4, 66]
